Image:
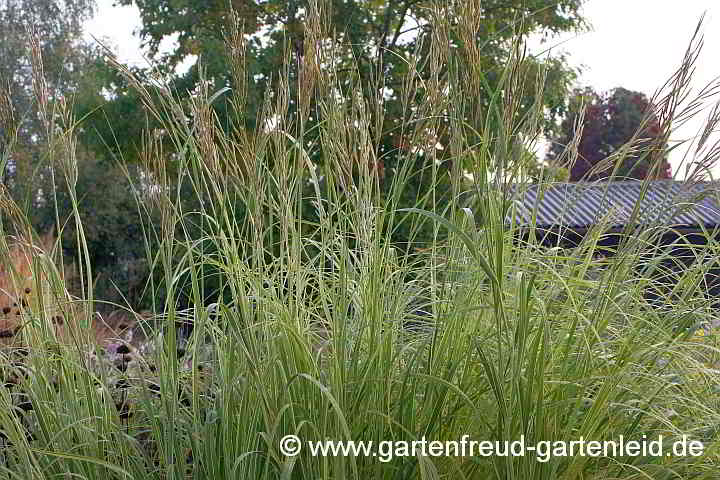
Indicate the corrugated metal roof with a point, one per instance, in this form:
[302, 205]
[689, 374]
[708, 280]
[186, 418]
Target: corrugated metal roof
[581, 205]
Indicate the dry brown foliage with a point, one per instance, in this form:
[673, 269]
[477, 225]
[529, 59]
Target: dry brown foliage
[24, 290]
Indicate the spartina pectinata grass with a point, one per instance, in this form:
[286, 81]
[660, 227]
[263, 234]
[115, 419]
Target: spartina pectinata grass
[516, 340]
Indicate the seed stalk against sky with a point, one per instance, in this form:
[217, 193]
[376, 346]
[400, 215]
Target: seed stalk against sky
[636, 44]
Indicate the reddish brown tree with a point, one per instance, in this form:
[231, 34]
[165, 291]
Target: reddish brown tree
[614, 119]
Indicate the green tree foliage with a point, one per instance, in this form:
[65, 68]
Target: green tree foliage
[605, 124]
[61, 71]
[375, 39]
[58, 25]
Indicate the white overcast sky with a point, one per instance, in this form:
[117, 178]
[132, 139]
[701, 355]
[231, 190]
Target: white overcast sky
[636, 44]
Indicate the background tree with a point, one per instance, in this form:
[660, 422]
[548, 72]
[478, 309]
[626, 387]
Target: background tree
[374, 40]
[30, 175]
[58, 25]
[376, 37]
[610, 121]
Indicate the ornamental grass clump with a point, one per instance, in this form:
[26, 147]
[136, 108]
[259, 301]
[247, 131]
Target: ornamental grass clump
[309, 320]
